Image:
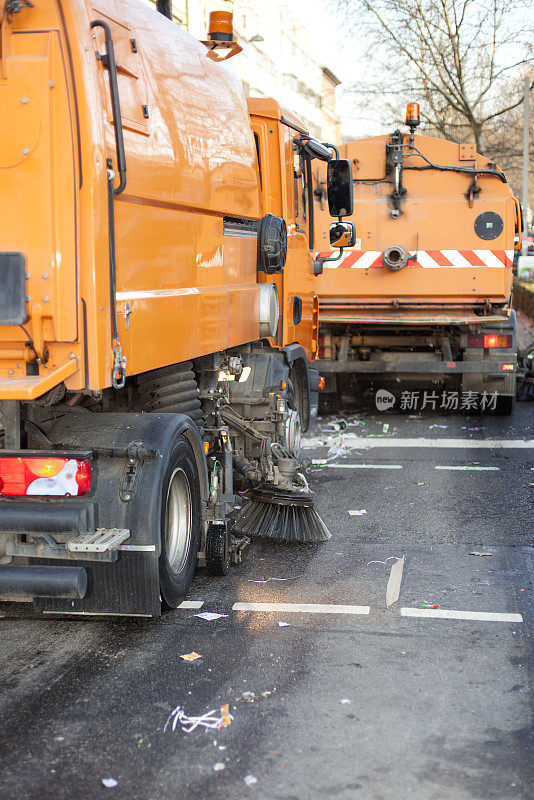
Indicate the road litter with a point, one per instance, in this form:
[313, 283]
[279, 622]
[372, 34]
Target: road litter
[385, 427]
[250, 780]
[426, 605]
[345, 701]
[478, 553]
[251, 697]
[336, 426]
[353, 512]
[283, 624]
[394, 582]
[418, 483]
[109, 783]
[219, 766]
[209, 616]
[319, 462]
[437, 426]
[338, 448]
[210, 720]
[191, 656]
[389, 558]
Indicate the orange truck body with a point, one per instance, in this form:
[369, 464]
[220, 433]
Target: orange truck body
[459, 271]
[186, 282]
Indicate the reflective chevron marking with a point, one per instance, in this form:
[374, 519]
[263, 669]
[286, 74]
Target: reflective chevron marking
[426, 259]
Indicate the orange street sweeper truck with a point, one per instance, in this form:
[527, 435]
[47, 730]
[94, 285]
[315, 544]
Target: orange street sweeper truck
[157, 315]
[423, 292]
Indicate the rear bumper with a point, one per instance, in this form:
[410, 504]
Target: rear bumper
[406, 365]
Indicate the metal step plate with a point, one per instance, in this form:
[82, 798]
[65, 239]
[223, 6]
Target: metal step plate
[99, 541]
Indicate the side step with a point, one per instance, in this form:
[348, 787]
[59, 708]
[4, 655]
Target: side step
[100, 541]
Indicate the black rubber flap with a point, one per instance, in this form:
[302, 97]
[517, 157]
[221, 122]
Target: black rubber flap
[13, 289]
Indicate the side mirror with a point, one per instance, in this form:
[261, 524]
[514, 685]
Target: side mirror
[339, 187]
[342, 234]
[316, 149]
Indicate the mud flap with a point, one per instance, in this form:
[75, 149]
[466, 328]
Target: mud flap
[128, 586]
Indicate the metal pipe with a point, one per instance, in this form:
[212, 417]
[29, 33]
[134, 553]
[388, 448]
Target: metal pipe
[24, 582]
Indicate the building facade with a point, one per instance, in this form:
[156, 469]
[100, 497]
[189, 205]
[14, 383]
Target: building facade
[277, 59]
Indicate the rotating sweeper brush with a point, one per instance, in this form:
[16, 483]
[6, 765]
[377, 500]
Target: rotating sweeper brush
[285, 515]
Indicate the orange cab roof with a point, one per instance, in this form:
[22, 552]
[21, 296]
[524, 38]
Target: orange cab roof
[269, 107]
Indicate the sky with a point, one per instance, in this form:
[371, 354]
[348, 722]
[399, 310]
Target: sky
[345, 57]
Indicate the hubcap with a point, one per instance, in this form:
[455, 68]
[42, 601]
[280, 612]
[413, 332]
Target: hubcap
[293, 433]
[178, 521]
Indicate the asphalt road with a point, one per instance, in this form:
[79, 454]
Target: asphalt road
[369, 704]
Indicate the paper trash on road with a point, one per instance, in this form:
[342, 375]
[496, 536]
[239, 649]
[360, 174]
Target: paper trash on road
[353, 512]
[219, 766]
[394, 582]
[250, 780]
[209, 616]
[210, 720]
[345, 701]
[191, 656]
[283, 624]
[319, 462]
[109, 783]
[479, 553]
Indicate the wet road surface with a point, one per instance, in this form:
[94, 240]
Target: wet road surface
[366, 702]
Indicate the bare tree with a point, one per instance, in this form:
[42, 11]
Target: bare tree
[463, 59]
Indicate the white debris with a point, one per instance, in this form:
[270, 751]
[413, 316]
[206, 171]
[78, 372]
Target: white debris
[210, 720]
[109, 783]
[283, 624]
[219, 766]
[250, 780]
[357, 513]
[345, 701]
[210, 615]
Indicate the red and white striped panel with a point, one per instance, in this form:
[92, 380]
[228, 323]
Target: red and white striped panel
[427, 259]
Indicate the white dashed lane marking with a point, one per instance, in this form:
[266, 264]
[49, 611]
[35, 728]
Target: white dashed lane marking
[324, 608]
[302, 608]
[446, 613]
[360, 442]
[191, 604]
[468, 468]
[361, 466]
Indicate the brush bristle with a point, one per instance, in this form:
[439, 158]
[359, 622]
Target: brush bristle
[283, 523]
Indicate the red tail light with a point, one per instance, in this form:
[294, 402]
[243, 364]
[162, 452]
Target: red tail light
[507, 367]
[44, 476]
[489, 340]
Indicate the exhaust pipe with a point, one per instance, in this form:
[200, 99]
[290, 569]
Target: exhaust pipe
[164, 7]
[24, 582]
[395, 257]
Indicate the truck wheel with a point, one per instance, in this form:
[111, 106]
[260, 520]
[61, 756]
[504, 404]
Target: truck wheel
[180, 524]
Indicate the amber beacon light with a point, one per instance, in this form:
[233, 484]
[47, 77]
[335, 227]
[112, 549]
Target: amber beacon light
[221, 28]
[413, 115]
[221, 36]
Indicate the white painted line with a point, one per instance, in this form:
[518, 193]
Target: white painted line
[446, 613]
[191, 604]
[470, 469]
[358, 442]
[301, 608]
[363, 466]
[394, 582]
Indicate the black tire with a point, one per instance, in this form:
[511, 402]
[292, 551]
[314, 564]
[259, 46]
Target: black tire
[179, 525]
[505, 405]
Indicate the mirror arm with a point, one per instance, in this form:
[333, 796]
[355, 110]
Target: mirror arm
[320, 260]
[332, 147]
